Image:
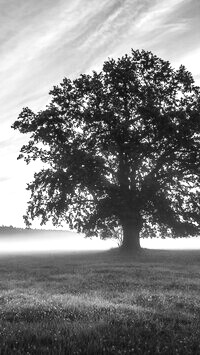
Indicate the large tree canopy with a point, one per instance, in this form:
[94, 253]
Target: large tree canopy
[121, 149]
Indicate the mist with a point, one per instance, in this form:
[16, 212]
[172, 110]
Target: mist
[50, 241]
[36, 241]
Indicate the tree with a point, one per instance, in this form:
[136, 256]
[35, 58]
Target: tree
[120, 150]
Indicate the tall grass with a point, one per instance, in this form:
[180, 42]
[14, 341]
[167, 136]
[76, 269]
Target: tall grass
[100, 303]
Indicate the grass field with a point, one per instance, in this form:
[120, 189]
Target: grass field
[100, 303]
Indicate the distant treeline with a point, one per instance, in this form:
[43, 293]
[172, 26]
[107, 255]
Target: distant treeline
[14, 230]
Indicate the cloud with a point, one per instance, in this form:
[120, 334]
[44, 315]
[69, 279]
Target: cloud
[147, 24]
[44, 41]
[4, 143]
[4, 178]
[154, 17]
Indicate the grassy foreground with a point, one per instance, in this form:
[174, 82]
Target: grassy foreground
[100, 303]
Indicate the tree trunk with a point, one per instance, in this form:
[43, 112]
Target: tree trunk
[131, 240]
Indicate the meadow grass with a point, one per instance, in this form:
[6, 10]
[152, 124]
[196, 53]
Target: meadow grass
[100, 303]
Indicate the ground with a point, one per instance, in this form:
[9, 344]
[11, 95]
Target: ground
[100, 303]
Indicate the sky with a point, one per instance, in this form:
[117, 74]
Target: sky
[41, 42]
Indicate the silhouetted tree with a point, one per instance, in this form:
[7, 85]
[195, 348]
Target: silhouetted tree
[122, 148]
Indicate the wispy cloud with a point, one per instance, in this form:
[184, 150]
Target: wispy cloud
[4, 178]
[43, 41]
[154, 17]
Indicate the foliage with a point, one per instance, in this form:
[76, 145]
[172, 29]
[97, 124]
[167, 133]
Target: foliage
[118, 146]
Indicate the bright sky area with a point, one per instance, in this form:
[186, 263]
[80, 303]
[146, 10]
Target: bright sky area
[43, 41]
